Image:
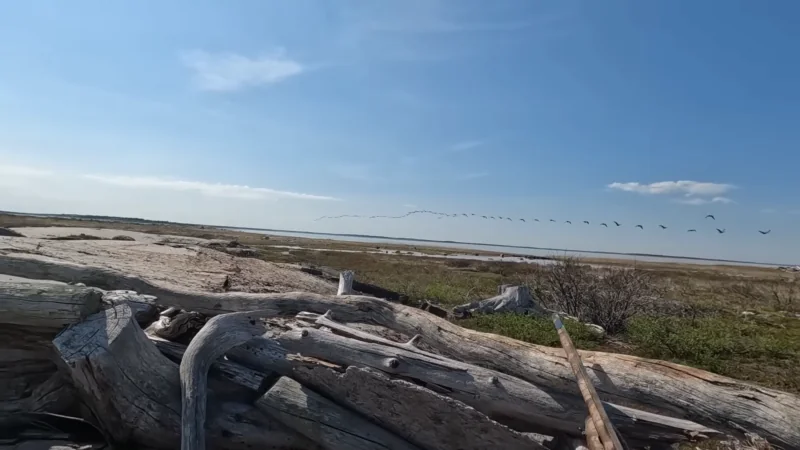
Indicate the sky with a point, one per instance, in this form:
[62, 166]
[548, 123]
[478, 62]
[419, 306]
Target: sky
[267, 113]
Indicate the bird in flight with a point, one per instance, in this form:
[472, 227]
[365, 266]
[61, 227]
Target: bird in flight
[604, 224]
[764, 232]
[639, 226]
[501, 217]
[711, 216]
[691, 231]
[491, 217]
[484, 217]
[464, 215]
[508, 218]
[586, 222]
[663, 227]
[720, 231]
[552, 220]
[522, 220]
[617, 223]
[472, 214]
[536, 220]
[567, 221]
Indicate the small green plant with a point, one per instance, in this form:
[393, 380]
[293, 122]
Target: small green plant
[536, 330]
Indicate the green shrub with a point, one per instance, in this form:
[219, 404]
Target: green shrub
[718, 344]
[536, 330]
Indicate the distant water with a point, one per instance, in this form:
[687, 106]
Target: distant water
[516, 249]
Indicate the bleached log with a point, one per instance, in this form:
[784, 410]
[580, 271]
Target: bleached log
[44, 305]
[511, 299]
[658, 386]
[108, 353]
[323, 421]
[346, 283]
[143, 306]
[429, 420]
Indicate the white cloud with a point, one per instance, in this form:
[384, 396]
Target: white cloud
[704, 201]
[688, 188]
[210, 189]
[23, 171]
[466, 145]
[231, 71]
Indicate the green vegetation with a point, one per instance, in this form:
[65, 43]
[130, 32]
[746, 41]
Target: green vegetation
[536, 330]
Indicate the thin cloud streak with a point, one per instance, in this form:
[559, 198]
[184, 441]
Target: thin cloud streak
[466, 145]
[702, 201]
[210, 189]
[688, 188]
[23, 171]
[227, 72]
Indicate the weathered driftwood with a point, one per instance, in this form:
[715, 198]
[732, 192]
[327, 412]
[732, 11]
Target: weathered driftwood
[358, 286]
[512, 299]
[220, 334]
[428, 420]
[346, 283]
[662, 387]
[144, 306]
[42, 305]
[502, 397]
[134, 391]
[181, 326]
[325, 422]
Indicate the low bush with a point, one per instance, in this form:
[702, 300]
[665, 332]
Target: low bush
[536, 330]
[608, 297]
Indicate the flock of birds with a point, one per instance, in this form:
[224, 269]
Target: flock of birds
[442, 215]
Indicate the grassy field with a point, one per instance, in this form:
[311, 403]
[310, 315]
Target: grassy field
[742, 322]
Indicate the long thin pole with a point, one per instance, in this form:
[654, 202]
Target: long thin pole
[608, 436]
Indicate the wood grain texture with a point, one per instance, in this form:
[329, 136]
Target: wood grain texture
[44, 305]
[658, 386]
[134, 391]
[429, 420]
[327, 423]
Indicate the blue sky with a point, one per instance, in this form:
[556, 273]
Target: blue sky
[272, 113]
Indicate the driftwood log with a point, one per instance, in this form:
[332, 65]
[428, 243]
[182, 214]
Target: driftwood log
[665, 388]
[504, 398]
[134, 391]
[324, 421]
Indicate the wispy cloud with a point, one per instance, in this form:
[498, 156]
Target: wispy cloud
[210, 189]
[224, 72]
[23, 171]
[409, 205]
[688, 188]
[704, 201]
[466, 145]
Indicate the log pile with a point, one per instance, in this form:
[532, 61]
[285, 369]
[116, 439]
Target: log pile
[160, 368]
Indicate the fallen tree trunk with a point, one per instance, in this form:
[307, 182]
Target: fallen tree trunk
[134, 391]
[49, 306]
[501, 397]
[661, 387]
[323, 421]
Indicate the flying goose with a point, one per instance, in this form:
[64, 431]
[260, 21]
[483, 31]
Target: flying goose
[720, 231]
[604, 224]
[692, 230]
[639, 226]
[711, 216]
[617, 223]
[567, 221]
[523, 220]
[552, 220]
[764, 232]
[663, 227]
[586, 222]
